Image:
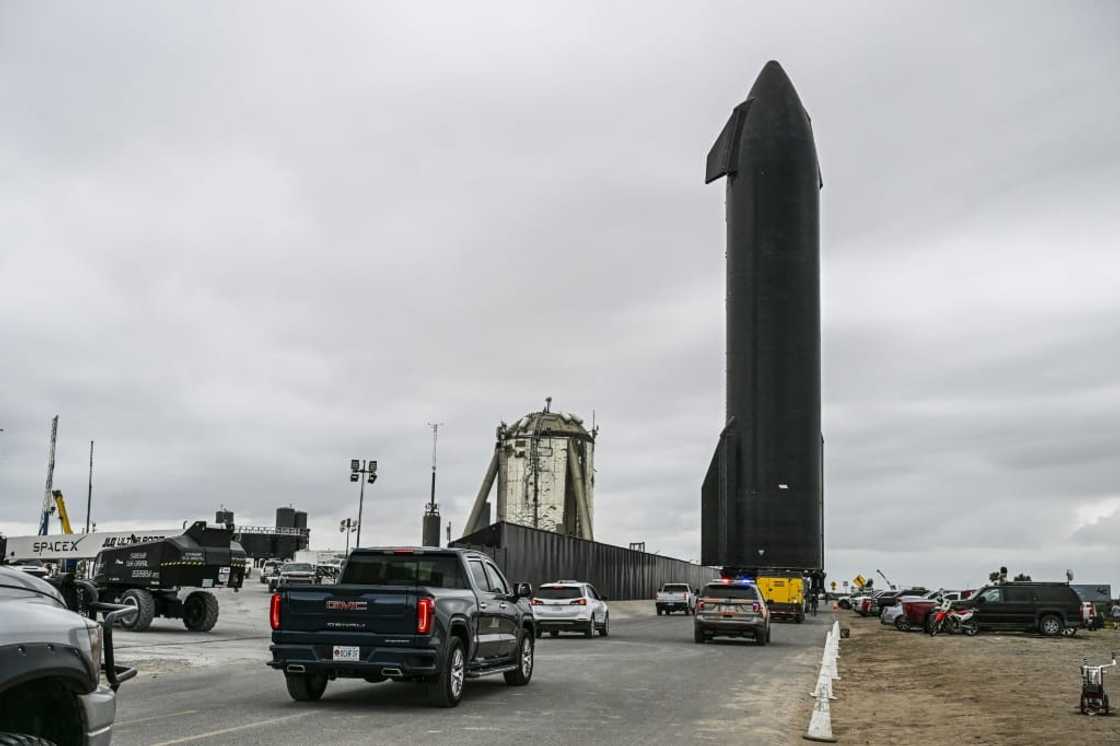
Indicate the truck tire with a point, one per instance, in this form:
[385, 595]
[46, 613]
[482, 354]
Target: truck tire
[16, 739]
[524, 671]
[145, 609]
[762, 638]
[306, 687]
[446, 689]
[606, 628]
[698, 636]
[1051, 625]
[590, 631]
[200, 611]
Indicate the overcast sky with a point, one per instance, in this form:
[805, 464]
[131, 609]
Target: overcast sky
[242, 243]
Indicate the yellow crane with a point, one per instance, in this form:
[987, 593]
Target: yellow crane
[63, 516]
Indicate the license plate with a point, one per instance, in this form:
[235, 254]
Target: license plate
[347, 653]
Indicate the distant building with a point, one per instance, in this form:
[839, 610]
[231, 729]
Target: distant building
[543, 465]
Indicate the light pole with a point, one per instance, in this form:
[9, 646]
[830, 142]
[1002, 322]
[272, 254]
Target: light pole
[358, 469]
[347, 527]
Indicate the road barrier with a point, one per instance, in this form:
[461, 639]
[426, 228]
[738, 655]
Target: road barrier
[820, 725]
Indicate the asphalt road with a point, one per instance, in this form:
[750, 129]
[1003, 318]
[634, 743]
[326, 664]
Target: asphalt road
[647, 683]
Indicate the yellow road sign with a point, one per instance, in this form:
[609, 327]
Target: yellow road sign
[859, 580]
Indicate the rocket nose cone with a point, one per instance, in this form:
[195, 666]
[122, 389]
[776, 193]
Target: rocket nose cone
[773, 84]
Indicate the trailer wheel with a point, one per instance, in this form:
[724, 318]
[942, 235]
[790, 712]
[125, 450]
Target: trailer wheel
[200, 611]
[145, 609]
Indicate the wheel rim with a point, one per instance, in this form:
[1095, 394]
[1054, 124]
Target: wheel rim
[457, 672]
[1050, 626]
[607, 623]
[130, 620]
[526, 657]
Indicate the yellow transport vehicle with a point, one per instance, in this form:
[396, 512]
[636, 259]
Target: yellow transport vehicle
[785, 596]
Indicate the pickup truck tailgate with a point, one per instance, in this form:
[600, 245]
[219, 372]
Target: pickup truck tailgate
[349, 608]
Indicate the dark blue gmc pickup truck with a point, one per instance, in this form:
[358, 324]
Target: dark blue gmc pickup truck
[420, 613]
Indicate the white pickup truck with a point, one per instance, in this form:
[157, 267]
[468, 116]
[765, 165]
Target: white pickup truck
[675, 597]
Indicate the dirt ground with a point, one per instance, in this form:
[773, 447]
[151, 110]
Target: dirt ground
[995, 688]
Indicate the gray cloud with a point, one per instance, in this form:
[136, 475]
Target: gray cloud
[243, 245]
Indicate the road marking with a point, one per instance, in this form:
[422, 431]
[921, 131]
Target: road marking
[155, 717]
[234, 729]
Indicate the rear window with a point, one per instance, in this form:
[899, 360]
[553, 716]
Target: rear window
[434, 571]
[676, 588]
[559, 593]
[745, 592]
[298, 567]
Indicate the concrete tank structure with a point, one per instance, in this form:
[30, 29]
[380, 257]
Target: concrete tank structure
[543, 465]
[285, 518]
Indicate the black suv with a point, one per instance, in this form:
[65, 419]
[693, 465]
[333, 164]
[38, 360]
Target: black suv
[1048, 608]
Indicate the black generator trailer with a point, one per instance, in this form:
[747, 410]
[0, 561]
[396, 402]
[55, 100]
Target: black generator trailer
[150, 575]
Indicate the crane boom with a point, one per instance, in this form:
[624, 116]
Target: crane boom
[45, 515]
[63, 516]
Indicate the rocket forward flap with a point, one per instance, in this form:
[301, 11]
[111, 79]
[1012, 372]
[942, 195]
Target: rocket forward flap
[724, 155]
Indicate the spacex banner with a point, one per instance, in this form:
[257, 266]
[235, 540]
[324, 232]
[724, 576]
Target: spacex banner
[77, 546]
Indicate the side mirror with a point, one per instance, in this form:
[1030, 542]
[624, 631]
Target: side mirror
[523, 590]
[603, 598]
[980, 600]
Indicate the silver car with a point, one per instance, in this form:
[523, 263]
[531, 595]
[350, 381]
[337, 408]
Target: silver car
[570, 606]
[52, 683]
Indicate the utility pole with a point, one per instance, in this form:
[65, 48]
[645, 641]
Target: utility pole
[44, 518]
[89, 494]
[430, 526]
[435, 440]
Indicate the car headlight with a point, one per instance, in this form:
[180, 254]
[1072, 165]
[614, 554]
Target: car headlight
[96, 645]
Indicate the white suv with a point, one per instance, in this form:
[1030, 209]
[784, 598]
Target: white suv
[570, 605]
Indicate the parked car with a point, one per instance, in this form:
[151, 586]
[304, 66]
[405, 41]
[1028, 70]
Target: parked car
[269, 570]
[54, 688]
[1048, 608]
[571, 606]
[294, 573]
[433, 616]
[731, 608]
[32, 567]
[675, 597]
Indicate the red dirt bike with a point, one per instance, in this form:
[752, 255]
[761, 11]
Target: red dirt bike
[944, 618]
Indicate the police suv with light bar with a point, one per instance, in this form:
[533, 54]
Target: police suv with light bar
[731, 608]
[427, 614]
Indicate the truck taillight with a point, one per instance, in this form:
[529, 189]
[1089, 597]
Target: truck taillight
[579, 602]
[700, 604]
[274, 611]
[755, 607]
[537, 602]
[425, 613]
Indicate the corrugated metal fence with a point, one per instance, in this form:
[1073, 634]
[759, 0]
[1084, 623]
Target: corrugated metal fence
[530, 555]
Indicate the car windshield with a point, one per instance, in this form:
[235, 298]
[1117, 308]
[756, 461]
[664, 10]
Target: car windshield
[559, 593]
[298, 567]
[745, 592]
[433, 571]
[676, 588]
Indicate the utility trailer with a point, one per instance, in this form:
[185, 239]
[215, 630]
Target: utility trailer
[150, 575]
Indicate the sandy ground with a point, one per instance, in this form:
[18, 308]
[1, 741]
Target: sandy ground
[995, 688]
